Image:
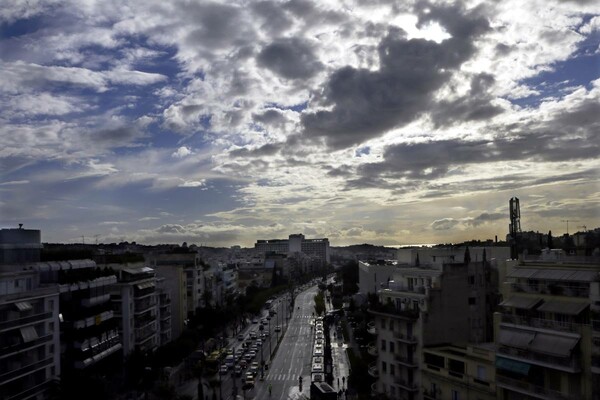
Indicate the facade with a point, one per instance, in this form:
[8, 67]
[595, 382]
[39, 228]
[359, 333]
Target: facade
[88, 328]
[164, 312]
[136, 306]
[456, 372]
[422, 307]
[372, 276]
[176, 285]
[29, 336]
[19, 246]
[547, 331]
[296, 243]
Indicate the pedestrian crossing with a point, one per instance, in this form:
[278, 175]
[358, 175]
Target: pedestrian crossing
[282, 377]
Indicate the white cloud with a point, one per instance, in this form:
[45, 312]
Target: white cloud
[182, 152]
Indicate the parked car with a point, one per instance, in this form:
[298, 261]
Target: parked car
[223, 370]
[278, 328]
[243, 364]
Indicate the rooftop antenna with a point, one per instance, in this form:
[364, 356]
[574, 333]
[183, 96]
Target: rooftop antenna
[96, 236]
[83, 239]
[515, 226]
[20, 226]
[567, 221]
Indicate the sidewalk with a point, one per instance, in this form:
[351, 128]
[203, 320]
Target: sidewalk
[341, 364]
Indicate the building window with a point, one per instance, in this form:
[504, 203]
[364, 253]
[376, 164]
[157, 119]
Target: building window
[471, 280]
[382, 323]
[382, 344]
[384, 367]
[392, 369]
[392, 346]
[481, 372]
[472, 301]
[455, 395]
[391, 325]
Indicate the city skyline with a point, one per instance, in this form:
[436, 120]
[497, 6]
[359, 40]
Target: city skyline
[220, 123]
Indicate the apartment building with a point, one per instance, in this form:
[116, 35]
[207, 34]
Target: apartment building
[547, 331]
[175, 284]
[164, 312]
[374, 275]
[427, 306]
[29, 336]
[135, 301]
[459, 372]
[296, 243]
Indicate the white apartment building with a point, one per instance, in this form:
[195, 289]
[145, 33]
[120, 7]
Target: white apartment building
[296, 243]
[164, 311]
[29, 336]
[175, 284]
[373, 276]
[135, 300]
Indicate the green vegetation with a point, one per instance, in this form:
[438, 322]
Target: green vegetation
[319, 304]
[359, 371]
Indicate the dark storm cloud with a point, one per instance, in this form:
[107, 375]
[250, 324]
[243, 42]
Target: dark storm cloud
[266, 150]
[290, 58]
[486, 217]
[474, 106]
[366, 104]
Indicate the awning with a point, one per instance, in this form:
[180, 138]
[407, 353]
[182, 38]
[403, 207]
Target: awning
[29, 334]
[139, 270]
[517, 367]
[24, 306]
[145, 285]
[560, 346]
[563, 307]
[526, 303]
[554, 274]
[513, 338]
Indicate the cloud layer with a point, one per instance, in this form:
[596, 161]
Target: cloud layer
[224, 122]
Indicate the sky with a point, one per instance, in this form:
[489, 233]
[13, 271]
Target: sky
[220, 123]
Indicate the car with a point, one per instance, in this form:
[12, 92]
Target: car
[249, 376]
[230, 361]
[317, 360]
[253, 335]
[259, 342]
[254, 321]
[252, 355]
[254, 368]
[254, 348]
[319, 342]
[243, 364]
[278, 328]
[239, 353]
[240, 338]
[237, 370]
[317, 368]
[318, 351]
[248, 356]
[264, 321]
[223, 370]
[268, 317]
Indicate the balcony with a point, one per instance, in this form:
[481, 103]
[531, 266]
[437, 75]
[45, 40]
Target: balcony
[372, 349]
[373, 371]
[32, 391]
[529, 389]
[404, 384]
[371, 328]
[408, 339]
[25, 346]
[375, 391]
[398, 287]
[551, 288]
[571, 364]
[94, 301]
[542, 323]
[33, 366]
[4, 325]
[144, 305]
[410, 363]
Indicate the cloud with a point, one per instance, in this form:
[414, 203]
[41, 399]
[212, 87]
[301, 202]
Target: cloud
[188, 184]
[11, 183]
[182, 152]
[444, 224]
[363, 104]
[290, 58]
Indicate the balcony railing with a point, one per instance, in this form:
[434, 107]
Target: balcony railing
[144, 305]
[404, 384]
[4, 325]
[374, 391]
[410, 339]
[371, 328]
[542, 323]
[411, 363]
[25, 369]
[572, 364]
[372, 349]
[23, 346]
[373, 371]
[540, 392]
[552, 288]
[31, 391]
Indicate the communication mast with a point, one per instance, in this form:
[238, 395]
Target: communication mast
[515, 227]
